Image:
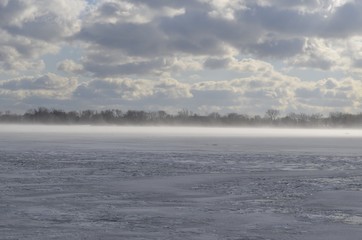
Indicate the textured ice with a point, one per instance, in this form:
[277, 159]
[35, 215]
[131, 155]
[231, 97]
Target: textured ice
[179, 183]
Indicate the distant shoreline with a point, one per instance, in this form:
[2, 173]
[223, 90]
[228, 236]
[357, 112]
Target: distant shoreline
[115, 117]
[281, 127]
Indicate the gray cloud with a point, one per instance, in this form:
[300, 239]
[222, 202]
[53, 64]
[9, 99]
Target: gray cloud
[133, 39]
[279, 48]
[103, 69]
[346, 21]
[261, 29]
[215, 63]
[171, 3]
[196, 32]
[357, 63]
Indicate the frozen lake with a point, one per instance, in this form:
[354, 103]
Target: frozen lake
[83, 182]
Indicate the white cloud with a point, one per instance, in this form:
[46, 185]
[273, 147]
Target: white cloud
[253, 94]
[331, 94]
[31, 29]
[133, 90]
[319, 54]
[70, 66]
[48, 86]
[172, 89]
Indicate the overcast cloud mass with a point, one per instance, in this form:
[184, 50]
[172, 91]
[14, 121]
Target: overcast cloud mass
[203, 55]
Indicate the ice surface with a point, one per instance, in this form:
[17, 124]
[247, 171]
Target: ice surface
[179, 183]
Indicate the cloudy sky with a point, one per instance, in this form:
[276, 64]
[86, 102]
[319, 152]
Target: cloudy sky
[202, 55]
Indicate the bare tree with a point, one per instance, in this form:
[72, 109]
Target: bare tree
[272, 114]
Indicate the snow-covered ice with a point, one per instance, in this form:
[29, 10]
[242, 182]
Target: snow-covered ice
[87, 182]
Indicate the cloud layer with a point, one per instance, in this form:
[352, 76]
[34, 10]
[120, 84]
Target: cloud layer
[205, 55]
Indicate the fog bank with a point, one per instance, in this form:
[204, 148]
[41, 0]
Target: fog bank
[181, 131]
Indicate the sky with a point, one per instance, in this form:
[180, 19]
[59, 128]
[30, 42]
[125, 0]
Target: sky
[243, 56]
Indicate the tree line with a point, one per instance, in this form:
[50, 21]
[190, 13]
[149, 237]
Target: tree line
[272, 117]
